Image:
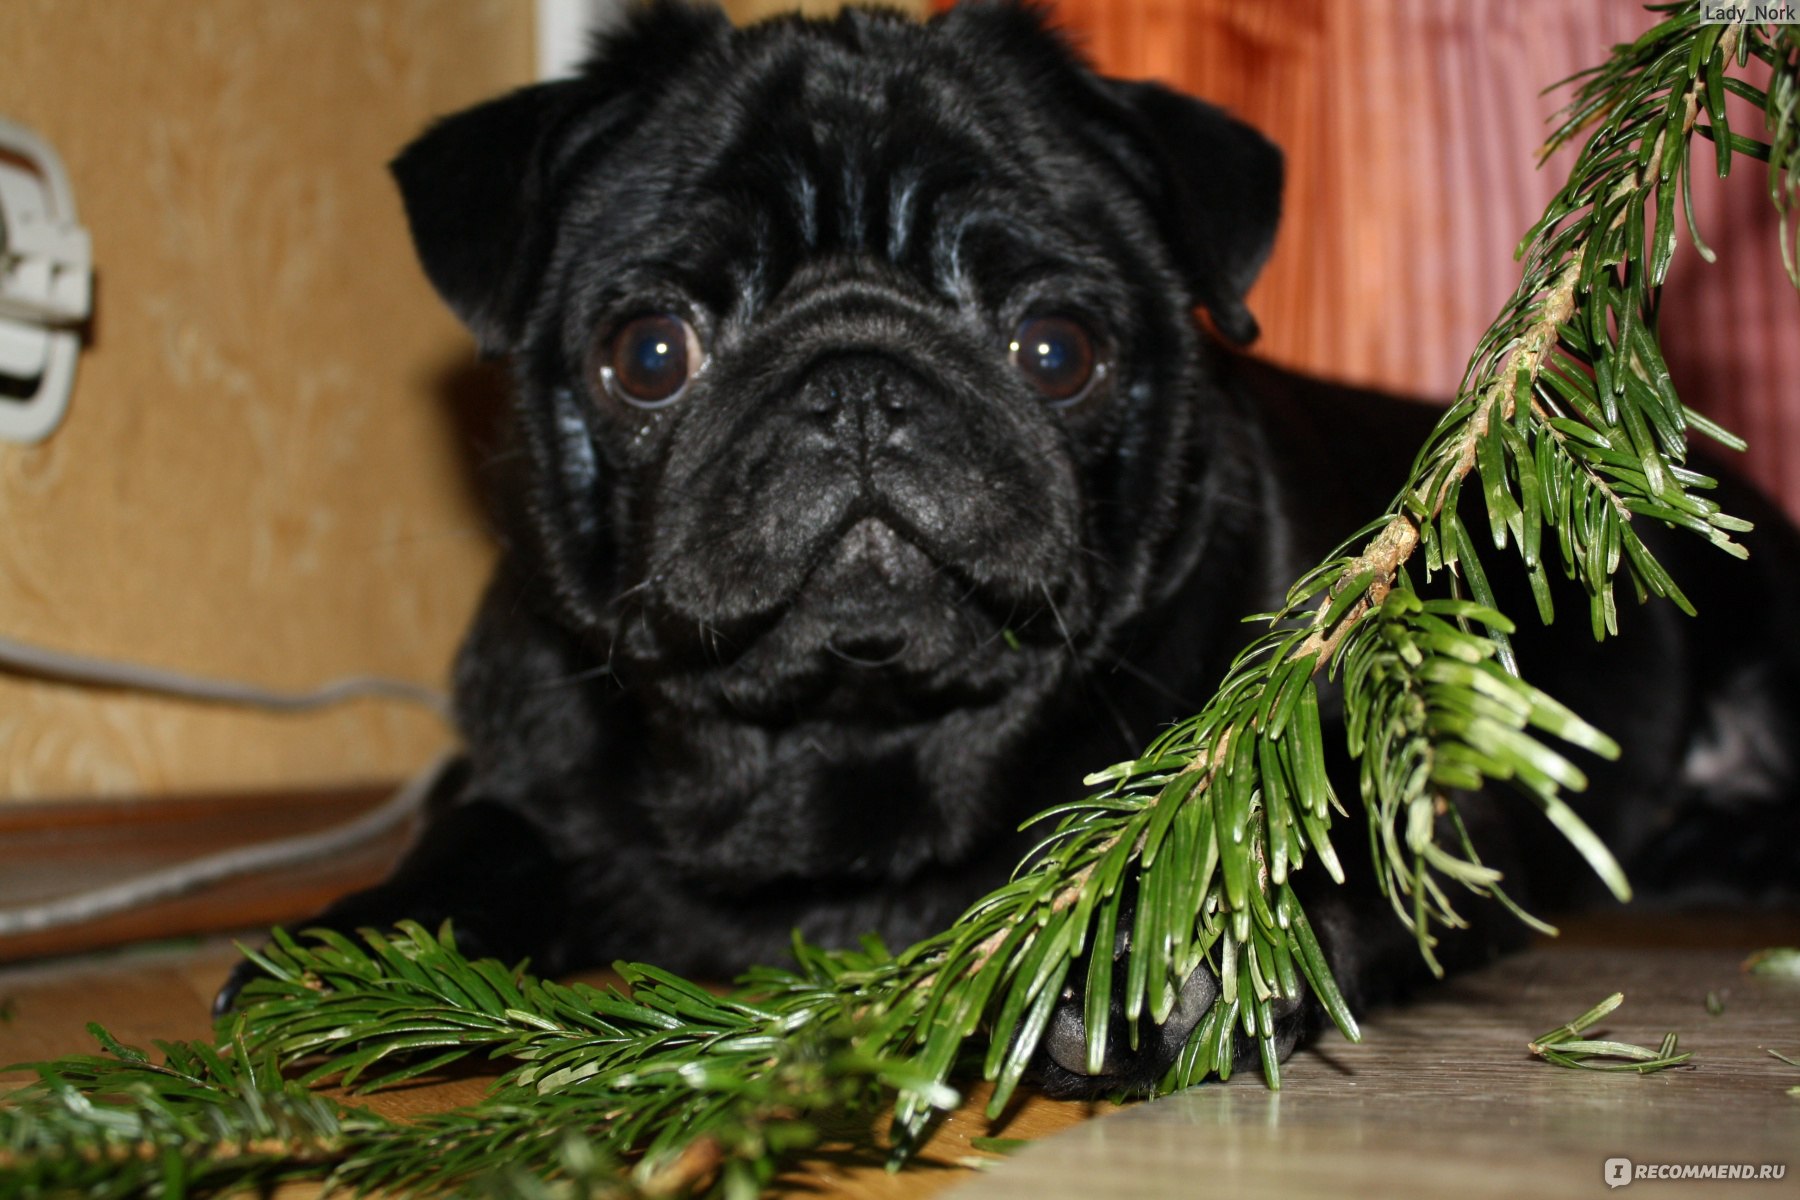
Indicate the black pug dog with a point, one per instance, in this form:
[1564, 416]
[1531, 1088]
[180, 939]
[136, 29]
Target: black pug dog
[881, 483]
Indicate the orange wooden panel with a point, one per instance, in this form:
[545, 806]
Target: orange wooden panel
[1411, 129]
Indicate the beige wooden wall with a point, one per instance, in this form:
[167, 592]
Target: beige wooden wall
[261, 475]
[257, 478]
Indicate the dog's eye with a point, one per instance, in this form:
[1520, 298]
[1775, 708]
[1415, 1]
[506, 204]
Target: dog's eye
[1057, 356]
[650, 360]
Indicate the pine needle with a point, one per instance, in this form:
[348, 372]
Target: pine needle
[1782, 961]
[1565, 1047]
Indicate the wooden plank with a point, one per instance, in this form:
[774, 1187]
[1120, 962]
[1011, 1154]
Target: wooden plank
[51, 850]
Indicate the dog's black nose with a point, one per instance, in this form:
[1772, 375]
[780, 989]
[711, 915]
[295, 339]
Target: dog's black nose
[859, 398]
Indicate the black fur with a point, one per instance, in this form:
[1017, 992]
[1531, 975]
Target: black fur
[802, 649]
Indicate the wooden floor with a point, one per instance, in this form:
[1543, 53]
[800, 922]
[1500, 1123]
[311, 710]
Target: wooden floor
[1441, 1097]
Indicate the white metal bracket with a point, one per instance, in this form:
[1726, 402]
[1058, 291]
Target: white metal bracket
[46, 286]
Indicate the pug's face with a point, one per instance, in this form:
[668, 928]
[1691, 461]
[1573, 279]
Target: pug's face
[858, 363]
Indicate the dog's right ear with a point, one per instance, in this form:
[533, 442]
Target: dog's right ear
[473, 186]
[480, 186]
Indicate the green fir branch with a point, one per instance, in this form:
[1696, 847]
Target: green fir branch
[667, 1090]
[1568, 435]
[206, 1118]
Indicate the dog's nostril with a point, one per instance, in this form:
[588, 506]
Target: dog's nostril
[858, 382]
[821, 403]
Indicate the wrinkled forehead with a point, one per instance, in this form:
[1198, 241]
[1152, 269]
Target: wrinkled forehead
[899, 151]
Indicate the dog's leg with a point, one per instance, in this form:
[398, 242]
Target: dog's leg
[1060, 1068]
[1373, 957]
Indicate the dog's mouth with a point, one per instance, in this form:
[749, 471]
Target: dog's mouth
[877, 612]
[878, 627]
[869, 649]
[867, 587]
[874, 599]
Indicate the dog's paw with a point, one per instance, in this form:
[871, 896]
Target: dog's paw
[227, 996]
[1060, 1068]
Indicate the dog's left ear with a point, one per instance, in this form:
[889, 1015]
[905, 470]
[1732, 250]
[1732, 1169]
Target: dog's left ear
[1214, 186]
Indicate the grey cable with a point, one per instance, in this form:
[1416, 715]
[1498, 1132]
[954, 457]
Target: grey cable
[203, 872]
[22, 658]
